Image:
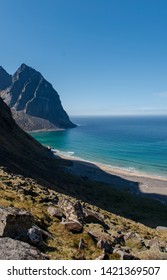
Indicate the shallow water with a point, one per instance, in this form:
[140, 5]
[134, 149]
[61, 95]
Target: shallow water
[131, 143]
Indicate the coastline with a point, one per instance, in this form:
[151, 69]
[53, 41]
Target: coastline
[45, 130]
[135, 182]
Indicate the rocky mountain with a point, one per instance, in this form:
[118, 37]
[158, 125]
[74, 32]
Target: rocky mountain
[5, 79]
[19, 152]
[34, 102]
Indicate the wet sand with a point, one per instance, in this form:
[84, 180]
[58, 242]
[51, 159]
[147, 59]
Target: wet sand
[135, 182]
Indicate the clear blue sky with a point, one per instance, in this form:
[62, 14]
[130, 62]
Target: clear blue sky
[103, 57]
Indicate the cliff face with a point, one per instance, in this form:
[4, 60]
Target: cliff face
[34, 102]
[18, 150]
[5, 79]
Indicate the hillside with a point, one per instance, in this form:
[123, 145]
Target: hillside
[68, 217]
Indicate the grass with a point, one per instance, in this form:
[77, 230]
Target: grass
[114, 207]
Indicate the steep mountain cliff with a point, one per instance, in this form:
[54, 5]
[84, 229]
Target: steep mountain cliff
[5, 79]
[34, 103]
[19, 151]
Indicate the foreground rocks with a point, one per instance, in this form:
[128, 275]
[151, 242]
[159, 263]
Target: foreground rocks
[11, 249]
[67, 228]
[14, 222]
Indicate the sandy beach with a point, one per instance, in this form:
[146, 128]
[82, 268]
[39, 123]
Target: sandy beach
[135, 182]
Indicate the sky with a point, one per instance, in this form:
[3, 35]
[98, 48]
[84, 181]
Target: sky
[103, 57]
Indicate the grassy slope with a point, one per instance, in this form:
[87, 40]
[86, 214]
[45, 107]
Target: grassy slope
[23, 155]
[65, 244]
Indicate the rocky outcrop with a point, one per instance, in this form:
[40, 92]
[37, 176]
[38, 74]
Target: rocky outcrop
[5, 79]
[11, 249]
[14, 222]
[34, 102]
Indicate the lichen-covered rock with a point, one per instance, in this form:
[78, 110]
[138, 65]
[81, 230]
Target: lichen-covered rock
[161, 228]
[55, 212]
[91, 217]
[124, 256]
[72, 211]
[74, 227]
[14, 221]
[133, 240]
[11, 249]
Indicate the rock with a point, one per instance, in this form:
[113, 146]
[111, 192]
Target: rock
[123, 255]
[91, 217]
[72, 211]
[78, 210]
[55, 212]
[161, 228]
[81, 245]
[11, 249]
[14, 221]
[34, 102]
[97, 233]
[35, 236]
[119, 239]
[75, 227]
[106, 246]
[50, 199]
[102, 257]
[133, 240]
[153, 243]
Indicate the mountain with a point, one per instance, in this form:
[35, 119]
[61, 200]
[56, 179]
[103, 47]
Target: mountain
[19, 152]
[5, 79]
[34, 103]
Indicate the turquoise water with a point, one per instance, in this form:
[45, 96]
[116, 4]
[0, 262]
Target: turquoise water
[132, 143]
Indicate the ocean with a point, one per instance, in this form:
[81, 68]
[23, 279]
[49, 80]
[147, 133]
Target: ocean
[137, 144]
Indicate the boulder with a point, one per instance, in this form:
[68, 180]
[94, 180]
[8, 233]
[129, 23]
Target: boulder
[55, 212]
[11, 249]
[161, 228]
[97, 233]
[14, 222]
[72, 210]
[107, 246]
[91, 217]
[123, 255]
[73, 226]
[133, 240]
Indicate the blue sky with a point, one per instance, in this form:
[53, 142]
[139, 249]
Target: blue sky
[104, 57]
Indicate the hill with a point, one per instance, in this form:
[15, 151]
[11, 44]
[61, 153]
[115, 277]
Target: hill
[68, 217]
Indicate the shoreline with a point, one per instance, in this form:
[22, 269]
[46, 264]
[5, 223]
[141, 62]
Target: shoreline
[45, 130]
[153, 186]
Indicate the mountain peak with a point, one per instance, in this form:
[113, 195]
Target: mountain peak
[35, 104]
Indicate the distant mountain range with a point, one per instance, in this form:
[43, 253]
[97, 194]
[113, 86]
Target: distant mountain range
[34, 103]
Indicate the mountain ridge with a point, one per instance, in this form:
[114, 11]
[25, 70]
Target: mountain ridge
[34, 103]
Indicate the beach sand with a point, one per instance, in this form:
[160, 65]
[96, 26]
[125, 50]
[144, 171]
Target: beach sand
[134, 182]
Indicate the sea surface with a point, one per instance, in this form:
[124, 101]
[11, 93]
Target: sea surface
[129, 143]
